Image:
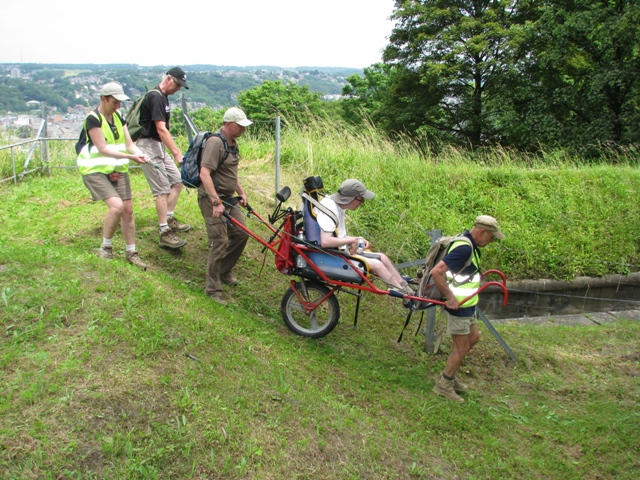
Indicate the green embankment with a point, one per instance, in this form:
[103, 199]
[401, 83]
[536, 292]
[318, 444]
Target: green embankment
[563, 217]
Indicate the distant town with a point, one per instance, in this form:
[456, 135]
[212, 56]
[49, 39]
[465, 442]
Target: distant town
[69, 91]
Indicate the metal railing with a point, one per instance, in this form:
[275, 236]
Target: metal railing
[40, 142]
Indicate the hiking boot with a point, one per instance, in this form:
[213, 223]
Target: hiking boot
[176, 226]
[458, 386]
[133, 257]
[106, 252]
[407, 290]
[168, 239]
[218, 299]
[229, 279]
[444, 387]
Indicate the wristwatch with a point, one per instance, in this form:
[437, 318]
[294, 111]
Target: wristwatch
[216, 202]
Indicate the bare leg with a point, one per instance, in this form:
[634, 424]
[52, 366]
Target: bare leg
[384, 269]
[116, 208]
[128, 224]
[172, 200]
[461, 346]
[161, 208]
[397, 278]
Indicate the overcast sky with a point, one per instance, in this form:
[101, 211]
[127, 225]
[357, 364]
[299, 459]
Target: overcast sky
[284, 33]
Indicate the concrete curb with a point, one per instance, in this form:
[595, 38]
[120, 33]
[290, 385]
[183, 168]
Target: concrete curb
[582, 319]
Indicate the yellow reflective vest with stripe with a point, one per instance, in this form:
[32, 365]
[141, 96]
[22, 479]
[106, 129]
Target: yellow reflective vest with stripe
[464, 285]
[90, 160]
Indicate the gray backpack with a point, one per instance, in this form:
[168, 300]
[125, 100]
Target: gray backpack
[427, 288]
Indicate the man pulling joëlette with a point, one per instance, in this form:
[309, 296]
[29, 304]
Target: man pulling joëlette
[461, 320]
[220, 184]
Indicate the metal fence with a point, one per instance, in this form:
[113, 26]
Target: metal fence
[40, 145]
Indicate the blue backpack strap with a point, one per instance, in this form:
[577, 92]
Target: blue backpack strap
[227, 148]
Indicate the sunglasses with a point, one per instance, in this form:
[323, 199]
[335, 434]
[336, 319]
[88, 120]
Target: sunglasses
[115, 132]
[360, 199]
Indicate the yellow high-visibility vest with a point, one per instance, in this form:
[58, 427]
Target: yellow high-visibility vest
[92, 161]
[464, 285]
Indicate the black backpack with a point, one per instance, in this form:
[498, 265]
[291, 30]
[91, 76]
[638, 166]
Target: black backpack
[190, 170]
[84, 135]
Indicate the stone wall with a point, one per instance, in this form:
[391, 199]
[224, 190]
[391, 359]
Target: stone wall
[534, 298]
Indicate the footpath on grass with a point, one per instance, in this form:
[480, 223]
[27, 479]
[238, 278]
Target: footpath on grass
[579, 319]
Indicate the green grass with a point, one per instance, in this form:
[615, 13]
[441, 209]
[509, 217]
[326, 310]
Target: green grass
[96, 383]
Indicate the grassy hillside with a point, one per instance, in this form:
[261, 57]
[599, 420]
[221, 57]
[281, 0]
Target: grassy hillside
[97, 383]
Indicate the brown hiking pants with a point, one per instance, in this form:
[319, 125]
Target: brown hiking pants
[226, 243]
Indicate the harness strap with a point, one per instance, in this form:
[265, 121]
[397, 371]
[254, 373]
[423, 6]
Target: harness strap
[406, 322]
[320, 207]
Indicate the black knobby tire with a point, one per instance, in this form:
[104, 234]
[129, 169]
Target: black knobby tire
[318, 323]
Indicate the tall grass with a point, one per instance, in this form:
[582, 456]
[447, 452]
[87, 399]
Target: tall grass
[563, 216]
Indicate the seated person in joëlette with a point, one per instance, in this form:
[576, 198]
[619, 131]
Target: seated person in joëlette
[351, 194]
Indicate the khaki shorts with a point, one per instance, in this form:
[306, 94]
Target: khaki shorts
[102, 188]
[458, 325]
[161, 173]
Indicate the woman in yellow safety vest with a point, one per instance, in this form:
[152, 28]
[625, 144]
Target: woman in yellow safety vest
[103, 161]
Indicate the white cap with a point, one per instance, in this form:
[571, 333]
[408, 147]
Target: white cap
[490, 224]
[115, 90]
[236, 115]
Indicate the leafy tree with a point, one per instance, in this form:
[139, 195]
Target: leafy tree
[319, 83]
[176, 122]
[47, 75]
[294, 103]
[217, 90]
[17, 92]
[586, 71]
[11, 99]
[204, 119]
[207, 118]
[519, 73]
[457, 52]
[364, 95]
